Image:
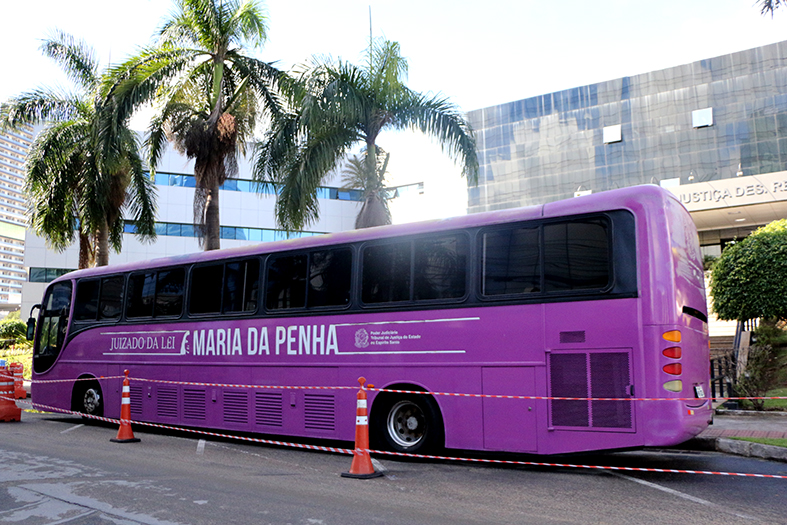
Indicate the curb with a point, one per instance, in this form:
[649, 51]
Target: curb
[751, 413]
[739, 448]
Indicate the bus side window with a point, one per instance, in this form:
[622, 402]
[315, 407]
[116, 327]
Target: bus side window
[141, 292]
[576, 255]
[511, 261]
[330, 277]
[386, 273]
[86, 306]
[169, 292]
[205, 289]
[111, 301]
[440, 267]
[286, 287]
[241, 286]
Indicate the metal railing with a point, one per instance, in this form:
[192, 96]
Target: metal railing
[722, 376]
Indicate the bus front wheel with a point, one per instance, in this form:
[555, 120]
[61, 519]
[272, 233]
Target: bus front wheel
[408, 423]
[88, 398]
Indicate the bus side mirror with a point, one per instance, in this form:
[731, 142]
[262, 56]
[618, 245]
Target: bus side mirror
[31, 328]
[31, 323]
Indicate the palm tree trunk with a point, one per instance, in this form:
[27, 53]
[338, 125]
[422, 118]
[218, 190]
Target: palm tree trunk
[212, 224]
[102, 244]
[84, 251]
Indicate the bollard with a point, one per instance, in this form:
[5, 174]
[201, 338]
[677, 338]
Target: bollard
[361, 467]
[8, 409]
[18, 370]
[125, 435]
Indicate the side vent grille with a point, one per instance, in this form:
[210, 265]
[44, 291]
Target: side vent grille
[572, 337]
[236, 407]
[136, 399]
[590, 375]
[319, 411]
[167, 402]
[194, 404]
[268, 409]
[609, 377]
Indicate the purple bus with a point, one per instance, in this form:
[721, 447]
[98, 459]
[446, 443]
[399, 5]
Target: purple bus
[594, 297]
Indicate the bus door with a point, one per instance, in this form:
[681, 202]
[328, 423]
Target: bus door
[509, 424]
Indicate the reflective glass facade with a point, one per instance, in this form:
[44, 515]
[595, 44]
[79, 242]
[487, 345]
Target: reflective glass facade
[715, 119]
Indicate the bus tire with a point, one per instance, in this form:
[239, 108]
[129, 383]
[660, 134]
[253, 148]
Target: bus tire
[88, 398]
[408, 423]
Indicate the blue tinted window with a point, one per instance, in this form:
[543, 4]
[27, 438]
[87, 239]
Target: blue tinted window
[255, 234]
[227, 232]
[161, 228]
[173, 229]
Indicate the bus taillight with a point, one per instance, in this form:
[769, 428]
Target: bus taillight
[672, 335]
[672, 352]
[673, 369]
[674, 386]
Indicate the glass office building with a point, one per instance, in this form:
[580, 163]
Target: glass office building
[714, 132]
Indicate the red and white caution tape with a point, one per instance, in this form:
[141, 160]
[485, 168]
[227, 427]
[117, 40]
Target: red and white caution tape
[403, 454]
[449, 394]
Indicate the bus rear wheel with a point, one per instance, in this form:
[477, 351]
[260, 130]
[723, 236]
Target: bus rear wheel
[88, 398]
[409, 423]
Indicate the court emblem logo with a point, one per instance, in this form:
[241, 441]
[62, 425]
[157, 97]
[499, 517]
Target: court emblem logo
[361, 338]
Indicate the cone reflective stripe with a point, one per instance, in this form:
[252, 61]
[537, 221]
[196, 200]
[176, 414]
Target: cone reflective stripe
[18, 369]
[125, 435]
[8, 409]
[361, 467]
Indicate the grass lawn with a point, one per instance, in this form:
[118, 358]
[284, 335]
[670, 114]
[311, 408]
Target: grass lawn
[777, 442]
[780, 404]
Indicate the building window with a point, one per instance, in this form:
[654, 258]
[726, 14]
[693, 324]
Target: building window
[702, 118]
[612, 134]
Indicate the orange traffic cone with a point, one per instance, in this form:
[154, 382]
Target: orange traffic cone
[125, 435]
[18, 369]
[361, 467]
[8, 409]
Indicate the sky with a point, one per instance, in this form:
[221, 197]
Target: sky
[478, 54]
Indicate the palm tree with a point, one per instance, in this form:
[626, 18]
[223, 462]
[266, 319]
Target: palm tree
[208, 91]
[337, 106]
[770, 6]
[75, 183]
[371, 182]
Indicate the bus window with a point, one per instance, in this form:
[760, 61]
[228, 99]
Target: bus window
[86, 306]
[440, 268]
[576, 255]
[386, 273]
[511, 261]
[111, 302]
[241, 286]
[330, 275]
[169, 292]
[141, 292]
[52, 326]
[205, 293]
[286, 282]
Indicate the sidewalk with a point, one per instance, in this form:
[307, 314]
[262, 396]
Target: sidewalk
[744, 423]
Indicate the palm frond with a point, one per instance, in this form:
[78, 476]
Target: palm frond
[75, 57]
[438, 118]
